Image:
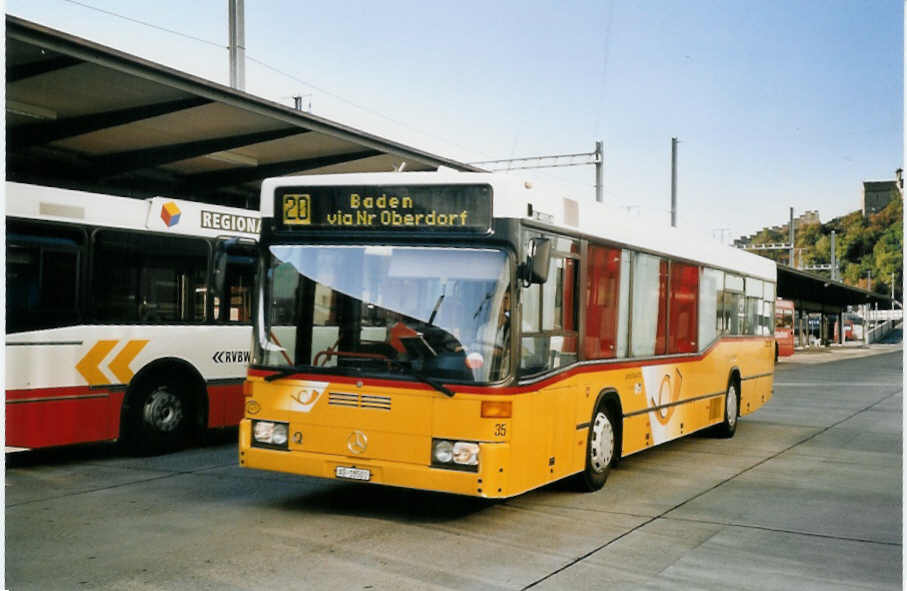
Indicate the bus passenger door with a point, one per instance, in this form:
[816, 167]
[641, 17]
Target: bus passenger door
[236, 263]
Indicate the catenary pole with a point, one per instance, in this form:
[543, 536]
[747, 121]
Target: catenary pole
[237, 44]
[599, 172]
[673, 182]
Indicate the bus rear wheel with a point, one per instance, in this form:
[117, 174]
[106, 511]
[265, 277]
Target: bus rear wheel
[601, 447]
[731, 412]
[158, 418]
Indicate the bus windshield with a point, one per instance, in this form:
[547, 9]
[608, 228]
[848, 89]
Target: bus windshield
[429, 311]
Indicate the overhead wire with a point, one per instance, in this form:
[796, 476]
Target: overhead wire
[145, 23]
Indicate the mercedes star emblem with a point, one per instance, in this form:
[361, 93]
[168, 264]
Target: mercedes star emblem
[357, 442]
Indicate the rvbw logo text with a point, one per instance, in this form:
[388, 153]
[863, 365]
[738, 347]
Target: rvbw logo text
[231, 357]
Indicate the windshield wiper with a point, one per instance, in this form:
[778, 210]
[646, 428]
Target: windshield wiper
[434, 312]
[485, 300]
[421, 376]
[433, 383]
[290, 370]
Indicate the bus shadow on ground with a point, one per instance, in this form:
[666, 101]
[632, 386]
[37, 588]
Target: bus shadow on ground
[387, 503]
[411, 505]
[88, 452]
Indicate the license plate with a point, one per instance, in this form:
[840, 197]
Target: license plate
[353, 473]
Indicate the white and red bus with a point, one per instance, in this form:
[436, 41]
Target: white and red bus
[784, 328]
[114, 327]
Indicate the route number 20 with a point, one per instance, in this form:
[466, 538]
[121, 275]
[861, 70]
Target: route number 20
[297, 209]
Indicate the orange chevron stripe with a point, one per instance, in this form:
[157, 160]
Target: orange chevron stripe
[88, 365]
[120, 364]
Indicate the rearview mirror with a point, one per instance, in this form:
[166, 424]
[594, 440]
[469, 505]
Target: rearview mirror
[539, 260]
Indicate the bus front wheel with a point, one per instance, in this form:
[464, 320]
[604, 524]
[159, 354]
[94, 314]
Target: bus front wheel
[158, 418]
[601, 447]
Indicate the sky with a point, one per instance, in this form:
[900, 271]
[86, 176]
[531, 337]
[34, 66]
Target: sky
[776, 104]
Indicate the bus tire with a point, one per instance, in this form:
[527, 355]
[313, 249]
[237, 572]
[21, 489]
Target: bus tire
[776, 353]
[158, 417]
[731, 410]
[601, 449]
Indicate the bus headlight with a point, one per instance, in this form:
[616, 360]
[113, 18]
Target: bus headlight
[455, 455]
[442, 452]
[466, 453]
[270, 434]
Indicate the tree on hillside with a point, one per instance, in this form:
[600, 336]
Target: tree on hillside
[805, 240]
[862, 246]
[887, 254]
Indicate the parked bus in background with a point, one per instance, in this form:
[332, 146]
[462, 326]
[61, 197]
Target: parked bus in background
[114, 328]
[853, 327]
[784, 328]
[475, 334]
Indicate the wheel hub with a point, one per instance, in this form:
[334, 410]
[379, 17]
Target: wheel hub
[163, 410]
[731, 406]
[601, 448]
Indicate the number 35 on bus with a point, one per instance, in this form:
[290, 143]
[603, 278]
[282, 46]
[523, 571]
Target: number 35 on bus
[475, 334]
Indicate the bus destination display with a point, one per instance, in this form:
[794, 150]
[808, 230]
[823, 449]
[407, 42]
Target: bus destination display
[439, 208]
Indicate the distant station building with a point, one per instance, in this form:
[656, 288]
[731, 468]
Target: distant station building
[878, 194]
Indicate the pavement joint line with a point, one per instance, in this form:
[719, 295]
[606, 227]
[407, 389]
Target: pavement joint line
[681, 557]
[141, 469]
[784, 531]
[93, 490]
[705, 492]
[164, 475]
[591, 552]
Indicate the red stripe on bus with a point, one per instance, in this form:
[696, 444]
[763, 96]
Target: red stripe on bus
[65, 420]
[46, 417]
[595, 366]
[226, 405]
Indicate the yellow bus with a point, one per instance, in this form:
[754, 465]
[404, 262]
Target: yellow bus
[477, 334]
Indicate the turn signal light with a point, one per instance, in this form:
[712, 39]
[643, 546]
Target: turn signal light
[247, 388]
[495, 409]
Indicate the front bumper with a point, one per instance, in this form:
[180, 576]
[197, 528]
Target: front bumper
[489, 482]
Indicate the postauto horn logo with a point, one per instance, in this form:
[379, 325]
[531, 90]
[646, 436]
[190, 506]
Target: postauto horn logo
[170, 213]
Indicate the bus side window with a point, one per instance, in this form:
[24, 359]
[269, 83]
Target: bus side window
[753, 306]
[768, 309]
[42, 276]
[607, 303]
[149, 279]
[239, 283]
[549, 312]
[648, 321]
[683, 308]
[711, 300]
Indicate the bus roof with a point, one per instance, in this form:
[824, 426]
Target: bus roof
[554, 206]
[157, 214]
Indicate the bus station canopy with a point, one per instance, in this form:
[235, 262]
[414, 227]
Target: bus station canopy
[820, 294]
[84, 116]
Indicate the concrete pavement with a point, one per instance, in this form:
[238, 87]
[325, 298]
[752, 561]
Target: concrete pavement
[807, 495]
